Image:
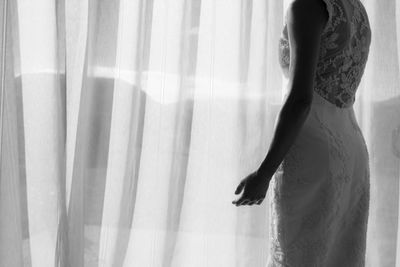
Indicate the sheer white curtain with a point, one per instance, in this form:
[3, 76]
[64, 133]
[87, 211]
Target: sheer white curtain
[126, 126]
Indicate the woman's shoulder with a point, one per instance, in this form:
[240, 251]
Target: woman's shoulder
[309, 7]
[315, 11]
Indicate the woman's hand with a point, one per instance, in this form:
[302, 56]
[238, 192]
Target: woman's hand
[255, 187]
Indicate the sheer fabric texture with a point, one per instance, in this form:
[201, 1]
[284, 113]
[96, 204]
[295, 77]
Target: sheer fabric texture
[126, 126]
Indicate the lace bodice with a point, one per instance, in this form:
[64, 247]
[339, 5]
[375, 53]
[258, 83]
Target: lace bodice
[343, 53]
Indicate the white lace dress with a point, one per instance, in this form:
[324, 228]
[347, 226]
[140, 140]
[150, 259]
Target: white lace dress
[319, 196]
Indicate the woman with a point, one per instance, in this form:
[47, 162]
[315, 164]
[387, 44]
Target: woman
[318, 163]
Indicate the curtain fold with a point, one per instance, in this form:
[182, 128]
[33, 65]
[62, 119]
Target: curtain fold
[126, 126]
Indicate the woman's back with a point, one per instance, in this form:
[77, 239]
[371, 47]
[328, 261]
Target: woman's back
[343, 52]
[319, 198]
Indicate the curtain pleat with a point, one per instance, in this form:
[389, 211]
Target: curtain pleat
[126, 126]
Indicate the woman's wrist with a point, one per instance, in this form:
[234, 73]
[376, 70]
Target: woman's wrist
[264, 172]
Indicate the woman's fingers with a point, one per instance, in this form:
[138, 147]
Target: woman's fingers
[256, 201]
[241, 201]
[236, 202]
[245, 201]
[240, 187]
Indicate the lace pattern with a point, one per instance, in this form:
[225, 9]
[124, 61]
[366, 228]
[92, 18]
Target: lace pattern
[329, 217]
[343, 53]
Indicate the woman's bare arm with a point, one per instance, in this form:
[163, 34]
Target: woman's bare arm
[306, 20]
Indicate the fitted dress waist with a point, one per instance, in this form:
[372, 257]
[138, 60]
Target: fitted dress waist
[333, 115]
